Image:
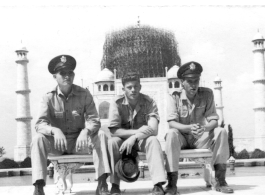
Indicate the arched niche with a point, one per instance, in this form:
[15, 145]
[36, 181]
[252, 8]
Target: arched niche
[112, 87]
[104, 110]
[176, 84]
[105, 87]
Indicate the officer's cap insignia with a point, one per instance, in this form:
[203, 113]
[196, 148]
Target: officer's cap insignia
[63, 59]
[192, 66]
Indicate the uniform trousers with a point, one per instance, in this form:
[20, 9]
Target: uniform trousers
[43, 145]
[154, 156]
[216, 140]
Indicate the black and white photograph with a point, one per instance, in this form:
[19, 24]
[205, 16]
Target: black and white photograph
[132, 98]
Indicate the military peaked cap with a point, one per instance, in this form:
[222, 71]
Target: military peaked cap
[190, 69]
[61, 62]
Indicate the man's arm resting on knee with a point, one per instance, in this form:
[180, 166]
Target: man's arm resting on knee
[181, 127]
[122, 133]
[151, 129]
[187, 128]
[212, 124]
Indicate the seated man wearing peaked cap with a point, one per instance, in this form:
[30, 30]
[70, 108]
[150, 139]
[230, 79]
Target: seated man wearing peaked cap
[134, 125]
[68, 122]
[187, 112]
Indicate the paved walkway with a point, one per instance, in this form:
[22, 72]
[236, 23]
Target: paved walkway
[248, 185]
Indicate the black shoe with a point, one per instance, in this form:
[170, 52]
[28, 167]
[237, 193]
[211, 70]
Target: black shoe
[221, 186]
[158, 190]
[39, 187]
[102, 189]
[115, 189]
[171, 188]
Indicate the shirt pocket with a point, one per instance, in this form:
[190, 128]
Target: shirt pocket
[200, 112]
[78, 118]
[59, 118]
[141, 118]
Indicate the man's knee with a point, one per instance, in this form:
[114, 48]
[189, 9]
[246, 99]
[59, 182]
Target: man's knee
[152, 140]
[38, 138]
[102, 135]
[172, 134]
[114, 141]
[221, 131]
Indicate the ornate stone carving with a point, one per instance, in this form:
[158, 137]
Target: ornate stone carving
[209, 173]
[63, 175]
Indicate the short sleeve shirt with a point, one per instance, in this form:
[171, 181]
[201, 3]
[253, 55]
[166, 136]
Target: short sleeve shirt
[122, 116]
[203, 108]
[71, 114]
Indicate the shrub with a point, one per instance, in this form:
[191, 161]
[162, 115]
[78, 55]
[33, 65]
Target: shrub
[8, 163]
[26, 163]
[230, 142]
[2, 151]
[258, 154]
[242, 155]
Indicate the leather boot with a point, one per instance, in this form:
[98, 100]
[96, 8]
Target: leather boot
[102, 188]
[39, 184]
[222, 186]
[158, 189]
[171, 188]
[115, 189]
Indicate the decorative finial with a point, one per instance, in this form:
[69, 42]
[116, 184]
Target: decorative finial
[138, 22]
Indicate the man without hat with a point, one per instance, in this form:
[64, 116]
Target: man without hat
[68, 124]
[134, 124]
[188, 112]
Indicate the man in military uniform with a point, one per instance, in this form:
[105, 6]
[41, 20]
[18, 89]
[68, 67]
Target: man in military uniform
[134, 124]
[188, 112]
[67, 124]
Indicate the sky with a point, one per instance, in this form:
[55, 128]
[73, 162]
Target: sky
[218, 37]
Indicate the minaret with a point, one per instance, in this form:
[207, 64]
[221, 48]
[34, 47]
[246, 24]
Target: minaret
[22, 149]
[218, 99]
[259, 91]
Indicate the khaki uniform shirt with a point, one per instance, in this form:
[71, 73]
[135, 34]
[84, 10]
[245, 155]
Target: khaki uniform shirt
[121, 114]
[182, 111]
[71, 114]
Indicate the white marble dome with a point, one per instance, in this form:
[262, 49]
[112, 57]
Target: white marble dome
[258, 36]
[172, 72]
[105, 75]
[217, 79]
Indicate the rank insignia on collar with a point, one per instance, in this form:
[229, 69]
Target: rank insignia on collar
[192, 66]
[63, 59]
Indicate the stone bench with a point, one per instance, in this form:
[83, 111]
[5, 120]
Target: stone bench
[65, 165]
[199, 156]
